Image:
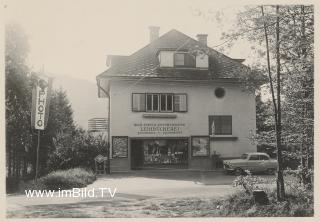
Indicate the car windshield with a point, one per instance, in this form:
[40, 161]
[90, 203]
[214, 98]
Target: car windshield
[244, 156]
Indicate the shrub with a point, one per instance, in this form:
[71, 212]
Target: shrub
[67, 179]
[80, 152]
[241, 205]
[61, 179]
[248, 182]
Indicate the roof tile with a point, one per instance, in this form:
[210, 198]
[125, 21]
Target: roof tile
[144, 62]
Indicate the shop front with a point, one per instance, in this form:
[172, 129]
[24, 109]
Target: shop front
[159, 152]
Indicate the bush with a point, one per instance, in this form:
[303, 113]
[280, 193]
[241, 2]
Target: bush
[299, 198]
[248, 182]
[80, 152]
[61, 179]
[242, 205]
[67, 179]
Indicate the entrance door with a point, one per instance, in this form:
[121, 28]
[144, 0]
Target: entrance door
[137, 155]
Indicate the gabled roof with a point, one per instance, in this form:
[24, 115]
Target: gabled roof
[144, 62]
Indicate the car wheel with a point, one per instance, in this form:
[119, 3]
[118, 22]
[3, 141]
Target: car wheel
[271, 171]
[238, 171]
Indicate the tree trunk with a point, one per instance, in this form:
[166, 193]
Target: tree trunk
[277, 107]
[305, 163]
[280, 182]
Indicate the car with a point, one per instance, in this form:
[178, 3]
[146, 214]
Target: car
[254, 162]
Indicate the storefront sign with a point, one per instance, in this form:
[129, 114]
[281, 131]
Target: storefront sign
[159, 128]
[40, 103]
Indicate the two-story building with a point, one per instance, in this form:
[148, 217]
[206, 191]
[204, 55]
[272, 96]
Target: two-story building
[175, 103]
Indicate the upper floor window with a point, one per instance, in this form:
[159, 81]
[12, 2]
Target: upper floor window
[166, 102]
[152, 102]
[184, 60]
[159, 102]
[220, 125]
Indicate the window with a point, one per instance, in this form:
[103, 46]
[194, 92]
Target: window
[180, 102]
[179, 59]
[153, 102]
[139, 102]
[264, 157]
[244, 156]
[254, 157]
[159, 102]
[220, 92]
[184, 60]
[166, 102]
[220, 125]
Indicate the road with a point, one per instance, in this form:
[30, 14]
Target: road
[132, 191]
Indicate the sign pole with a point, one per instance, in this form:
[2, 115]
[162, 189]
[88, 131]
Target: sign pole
[40, 109]
[37, 160]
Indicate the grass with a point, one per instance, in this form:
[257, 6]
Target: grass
[61, 179]
[237, 205]
[242, 205]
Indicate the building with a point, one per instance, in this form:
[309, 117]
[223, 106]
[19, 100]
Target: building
[175, 103]
[98, 127]
[98, 124]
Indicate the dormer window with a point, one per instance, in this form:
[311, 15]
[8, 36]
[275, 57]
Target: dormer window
[180, 59]
[184, 60]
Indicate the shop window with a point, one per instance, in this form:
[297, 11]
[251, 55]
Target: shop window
[139, 102]
[220, 125]
[165, 152]
[184, 60]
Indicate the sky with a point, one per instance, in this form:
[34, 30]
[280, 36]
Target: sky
[74, 37]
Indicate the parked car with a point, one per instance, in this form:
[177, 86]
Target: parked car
[254, 162]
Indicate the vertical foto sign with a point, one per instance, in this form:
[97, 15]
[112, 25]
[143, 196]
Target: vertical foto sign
[40, 103]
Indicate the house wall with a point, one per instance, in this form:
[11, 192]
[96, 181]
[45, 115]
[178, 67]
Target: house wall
[202, 102]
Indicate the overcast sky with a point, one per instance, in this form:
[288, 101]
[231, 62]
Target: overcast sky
[73, 37]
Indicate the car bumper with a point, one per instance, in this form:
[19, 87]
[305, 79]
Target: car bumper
[228, 168]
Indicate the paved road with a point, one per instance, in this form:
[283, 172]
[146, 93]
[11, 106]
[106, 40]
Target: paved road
[133, 187]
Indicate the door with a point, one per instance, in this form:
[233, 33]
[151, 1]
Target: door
[253, 162]
[137, 155]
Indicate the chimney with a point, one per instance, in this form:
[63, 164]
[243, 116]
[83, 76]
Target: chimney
[154, 33]
[202, 38]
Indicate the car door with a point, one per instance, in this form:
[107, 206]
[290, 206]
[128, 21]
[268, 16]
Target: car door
[253, 162]
[264, 163]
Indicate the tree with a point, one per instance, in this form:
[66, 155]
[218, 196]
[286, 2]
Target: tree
[283, 38]
[17, 101]
[60, 130]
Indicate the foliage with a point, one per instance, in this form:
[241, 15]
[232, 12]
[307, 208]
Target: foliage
[242, 205]
[67, 179]
[17, 101]
[61, 179]
[296, 184]
[248, 182]
[60, 129]
[296, 54]
[79, 151]
[21, 140]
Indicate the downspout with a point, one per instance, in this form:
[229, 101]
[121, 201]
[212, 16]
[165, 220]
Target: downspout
[108, 96]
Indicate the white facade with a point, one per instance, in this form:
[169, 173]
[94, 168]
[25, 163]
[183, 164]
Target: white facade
[201, 103]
